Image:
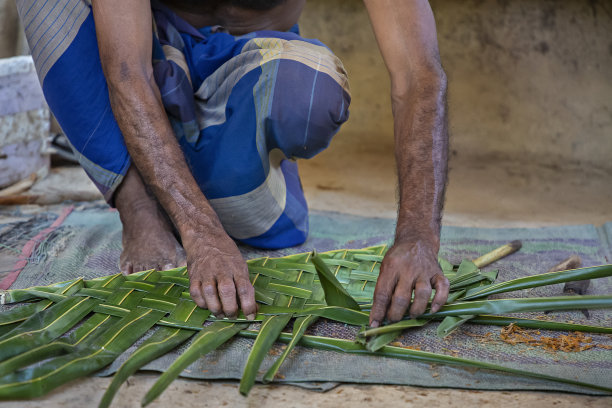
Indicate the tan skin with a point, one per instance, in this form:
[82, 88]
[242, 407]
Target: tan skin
[160, 196]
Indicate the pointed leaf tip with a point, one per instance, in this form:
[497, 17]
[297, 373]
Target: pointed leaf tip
[335, 294]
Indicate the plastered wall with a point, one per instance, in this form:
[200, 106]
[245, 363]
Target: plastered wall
[527, 78]
[8, 28]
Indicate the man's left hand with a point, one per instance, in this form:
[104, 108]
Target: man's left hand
[408, 267]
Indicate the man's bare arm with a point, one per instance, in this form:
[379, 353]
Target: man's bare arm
[406, 34]
[216, 269]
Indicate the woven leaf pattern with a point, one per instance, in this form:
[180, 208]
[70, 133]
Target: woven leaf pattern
[71, 329]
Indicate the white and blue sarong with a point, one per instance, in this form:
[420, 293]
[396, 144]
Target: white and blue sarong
[242, 108]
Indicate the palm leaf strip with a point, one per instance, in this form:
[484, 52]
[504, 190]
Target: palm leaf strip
[208, 339]
[272, 326]
[351, 347]
[103, 317]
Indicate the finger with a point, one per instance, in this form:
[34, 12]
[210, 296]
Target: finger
[422, 292]
[246, 294]
[142, 267]
[441, 284]
[127, 268]
[382, 298]
[227, 294]
[153, 266]
[209, 290]
[195, 290]
[164, 265]
[401, 300]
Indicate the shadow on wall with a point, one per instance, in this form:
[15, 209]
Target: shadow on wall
[527, 78]
[12, 39]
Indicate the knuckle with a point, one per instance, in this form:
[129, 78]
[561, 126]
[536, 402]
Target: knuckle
[245, 290]
[381, 300]
[209, 290]
[226, 289]
[391, 263]
[194, 290]
[243, 272]
[422, 291]
[423, 284]
[443, 281]
[401, 300]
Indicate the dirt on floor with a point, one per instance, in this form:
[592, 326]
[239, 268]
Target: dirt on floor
[188, 394]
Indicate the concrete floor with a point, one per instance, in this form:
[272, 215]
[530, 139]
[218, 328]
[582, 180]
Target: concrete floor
[491, 192]
[188, 394]
[482, 191]
[529, 81]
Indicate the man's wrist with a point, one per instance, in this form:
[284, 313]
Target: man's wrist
[202, 231]
[412, 232]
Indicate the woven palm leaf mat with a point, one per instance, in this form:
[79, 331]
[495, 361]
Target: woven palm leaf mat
[87, 242]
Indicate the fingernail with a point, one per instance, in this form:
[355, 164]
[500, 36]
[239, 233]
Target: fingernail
[251, 317]
[435, 308]
[375, 323]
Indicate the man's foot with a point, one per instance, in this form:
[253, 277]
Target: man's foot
[148, 237]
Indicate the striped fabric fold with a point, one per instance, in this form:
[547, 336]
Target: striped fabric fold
[242, 109]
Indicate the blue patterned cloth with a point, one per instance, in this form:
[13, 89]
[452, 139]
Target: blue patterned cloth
[243, 108]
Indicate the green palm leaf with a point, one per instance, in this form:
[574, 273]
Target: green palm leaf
[272, 325]
[533, 281]
[74, 328]
[207, 340]
[451, 323]
[164, 340]
[335, 294]
[539, 324]
[347, 346]
[299, 328]
[268, 333]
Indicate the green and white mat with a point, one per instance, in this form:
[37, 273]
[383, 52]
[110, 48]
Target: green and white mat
[87, 244]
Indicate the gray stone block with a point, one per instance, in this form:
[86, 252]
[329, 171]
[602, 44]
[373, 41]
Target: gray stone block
[24, 121]
[20, 90]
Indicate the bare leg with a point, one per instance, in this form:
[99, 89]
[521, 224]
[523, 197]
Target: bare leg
[148, 237]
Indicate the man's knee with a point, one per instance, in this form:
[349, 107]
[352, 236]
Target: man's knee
[308, 108]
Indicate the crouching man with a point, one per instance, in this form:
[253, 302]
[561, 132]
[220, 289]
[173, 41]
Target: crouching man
[189, 115]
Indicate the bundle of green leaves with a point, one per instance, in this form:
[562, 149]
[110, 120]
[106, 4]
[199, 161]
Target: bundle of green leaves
[70, 329]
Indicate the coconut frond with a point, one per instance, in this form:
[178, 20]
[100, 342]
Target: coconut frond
[75, 328]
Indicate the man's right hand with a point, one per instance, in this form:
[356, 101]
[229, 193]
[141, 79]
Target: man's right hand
[217, 273]
[216, 268]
